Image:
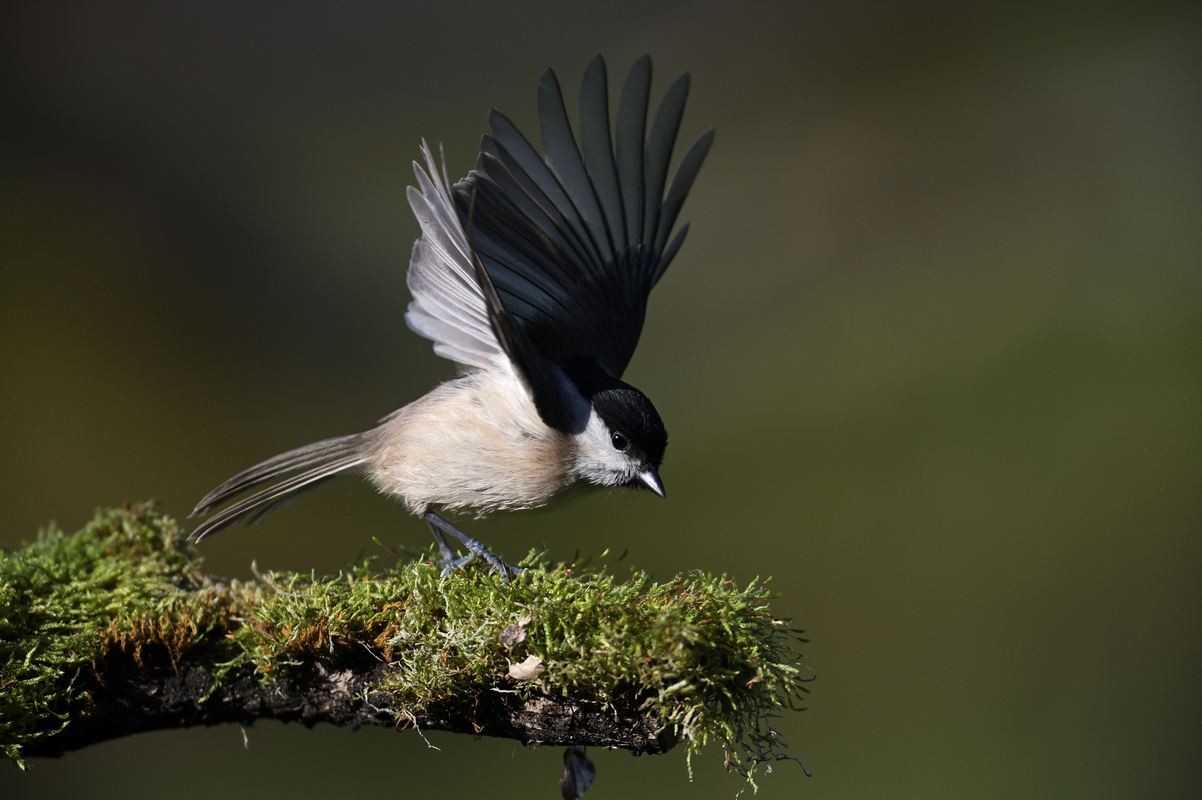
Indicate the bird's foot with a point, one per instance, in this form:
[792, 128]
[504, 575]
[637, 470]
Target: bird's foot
[452, 563]
[440, 529]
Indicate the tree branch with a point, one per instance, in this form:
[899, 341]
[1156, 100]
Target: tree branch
[127, 698]
[117, 630]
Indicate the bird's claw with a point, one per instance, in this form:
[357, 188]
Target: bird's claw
[440, 529]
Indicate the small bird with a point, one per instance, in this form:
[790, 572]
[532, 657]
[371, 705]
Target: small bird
[532, 275]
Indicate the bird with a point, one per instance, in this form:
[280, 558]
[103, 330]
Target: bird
[532, 275]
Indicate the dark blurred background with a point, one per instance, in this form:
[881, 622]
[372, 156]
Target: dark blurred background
[931, 357]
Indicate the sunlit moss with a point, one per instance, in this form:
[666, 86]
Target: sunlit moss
[702, 656]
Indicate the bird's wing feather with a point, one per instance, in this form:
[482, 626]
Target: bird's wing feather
[573, 240]
[558, 405]
[448, 307]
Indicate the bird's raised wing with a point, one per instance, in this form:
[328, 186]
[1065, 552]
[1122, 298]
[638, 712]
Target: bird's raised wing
[448, 307]
[571, 241]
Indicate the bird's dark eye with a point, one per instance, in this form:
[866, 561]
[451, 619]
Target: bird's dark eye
[619, 441]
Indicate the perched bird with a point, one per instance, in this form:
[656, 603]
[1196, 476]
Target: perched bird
[532, 275]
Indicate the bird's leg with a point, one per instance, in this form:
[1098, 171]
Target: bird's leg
[445, 553]
[440, 529]
[446, 556]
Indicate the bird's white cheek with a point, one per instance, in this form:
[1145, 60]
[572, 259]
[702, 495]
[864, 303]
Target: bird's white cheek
[596, 467]
[596, 460]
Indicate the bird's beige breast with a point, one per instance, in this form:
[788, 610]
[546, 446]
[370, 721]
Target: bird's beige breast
[474, 444]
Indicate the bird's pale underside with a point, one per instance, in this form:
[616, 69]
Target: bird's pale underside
[532, 275]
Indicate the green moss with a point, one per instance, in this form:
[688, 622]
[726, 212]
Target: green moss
[124, 580]
[702, 655]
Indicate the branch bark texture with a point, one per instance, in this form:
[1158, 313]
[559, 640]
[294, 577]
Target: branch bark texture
[127, 698]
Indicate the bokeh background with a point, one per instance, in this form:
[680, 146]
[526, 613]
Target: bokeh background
[931, 357]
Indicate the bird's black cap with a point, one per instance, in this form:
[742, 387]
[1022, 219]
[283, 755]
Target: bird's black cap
[629, 413]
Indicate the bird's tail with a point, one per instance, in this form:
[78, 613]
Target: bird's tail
[286, 476]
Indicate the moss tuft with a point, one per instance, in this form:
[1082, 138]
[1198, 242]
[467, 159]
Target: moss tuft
[126, 580]
[698, 654]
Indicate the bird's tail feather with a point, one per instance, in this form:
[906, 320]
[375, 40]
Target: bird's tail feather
[287, 475]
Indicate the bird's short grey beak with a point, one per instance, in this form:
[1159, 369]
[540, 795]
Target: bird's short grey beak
[650, 479]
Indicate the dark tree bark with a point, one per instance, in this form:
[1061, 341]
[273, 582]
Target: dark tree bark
[128, 697]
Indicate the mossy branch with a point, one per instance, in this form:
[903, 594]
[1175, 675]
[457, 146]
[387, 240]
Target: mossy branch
[116, 630]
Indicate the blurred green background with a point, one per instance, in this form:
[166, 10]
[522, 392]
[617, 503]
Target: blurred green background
[931, 357]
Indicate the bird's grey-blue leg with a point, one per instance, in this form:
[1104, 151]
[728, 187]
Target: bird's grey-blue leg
[446, 556]
[440, 529]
